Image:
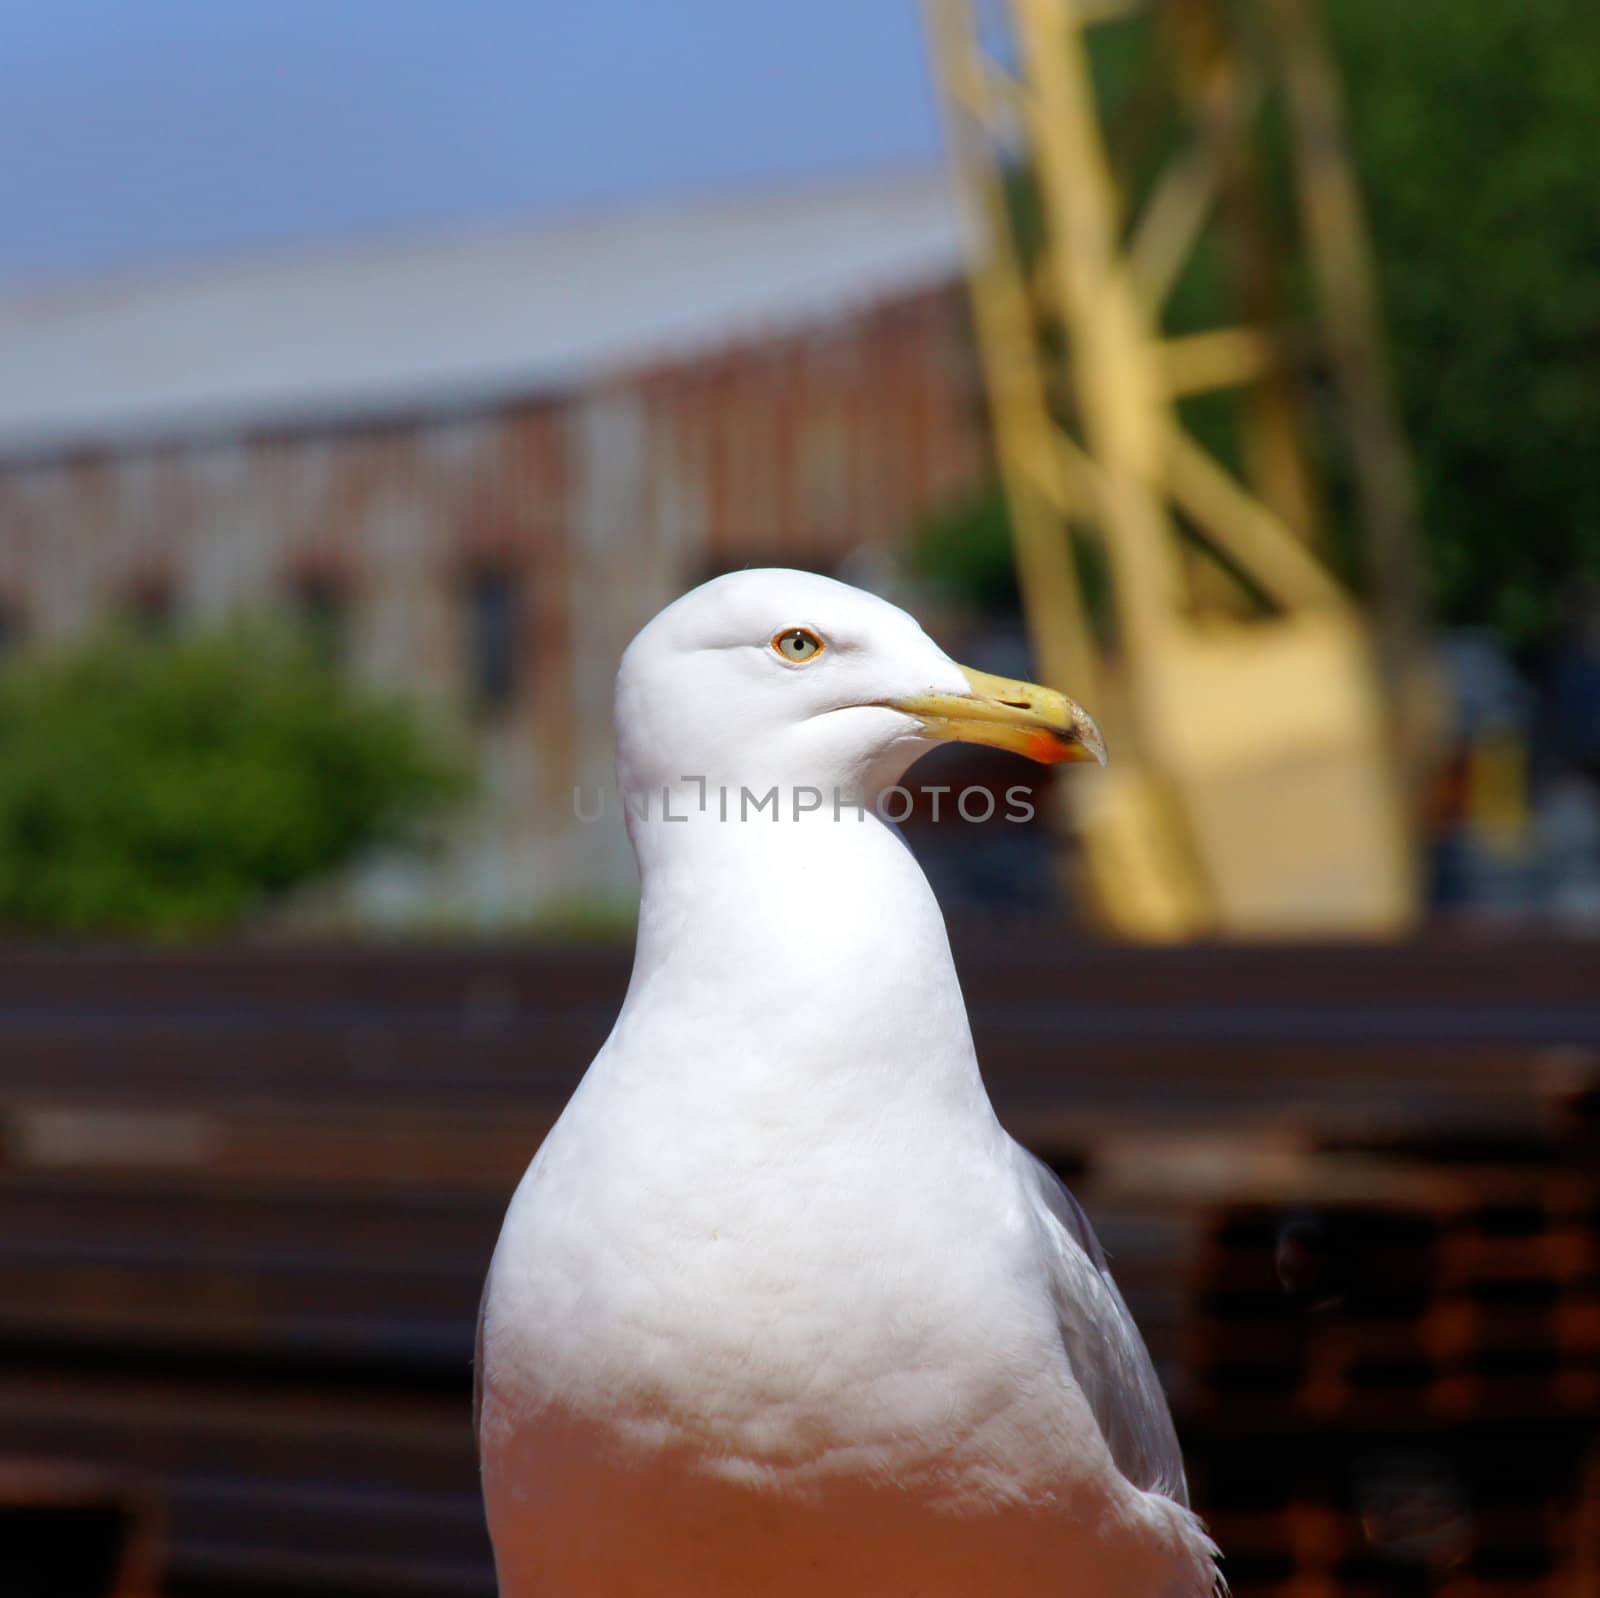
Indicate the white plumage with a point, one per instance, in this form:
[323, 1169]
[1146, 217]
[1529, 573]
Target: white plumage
[779, 1308]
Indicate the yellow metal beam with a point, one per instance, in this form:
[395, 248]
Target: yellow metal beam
[1245, 529]
[1226, 357]
[1084, 390]
[1034, 475]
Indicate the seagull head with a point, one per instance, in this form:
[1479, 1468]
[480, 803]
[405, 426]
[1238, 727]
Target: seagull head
[785, 677]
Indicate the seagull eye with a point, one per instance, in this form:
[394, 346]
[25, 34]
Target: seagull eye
[798, 644]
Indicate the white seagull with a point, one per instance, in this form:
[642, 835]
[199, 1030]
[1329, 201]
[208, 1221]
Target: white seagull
[779, 1309]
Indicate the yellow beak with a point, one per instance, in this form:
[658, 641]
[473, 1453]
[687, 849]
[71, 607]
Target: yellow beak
[1021, 716]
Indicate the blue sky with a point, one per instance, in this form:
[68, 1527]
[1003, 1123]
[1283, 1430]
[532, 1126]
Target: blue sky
[140, 132]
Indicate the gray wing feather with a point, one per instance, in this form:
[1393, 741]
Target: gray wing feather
[477, 1362]
[1109, 1360]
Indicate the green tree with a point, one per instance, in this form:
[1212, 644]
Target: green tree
[1475, 125]
[171, 787]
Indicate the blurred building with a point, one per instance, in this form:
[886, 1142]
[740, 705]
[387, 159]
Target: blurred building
[477, 464]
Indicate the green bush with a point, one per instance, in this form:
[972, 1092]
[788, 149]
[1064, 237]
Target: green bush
[173, 786]
[964, 550]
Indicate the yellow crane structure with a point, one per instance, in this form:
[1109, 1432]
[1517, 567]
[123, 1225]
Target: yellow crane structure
[1262, 724]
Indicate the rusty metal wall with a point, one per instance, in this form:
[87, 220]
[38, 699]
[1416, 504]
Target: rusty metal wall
[600, 505]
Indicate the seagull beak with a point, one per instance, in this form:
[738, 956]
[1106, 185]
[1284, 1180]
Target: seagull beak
[1021, 716]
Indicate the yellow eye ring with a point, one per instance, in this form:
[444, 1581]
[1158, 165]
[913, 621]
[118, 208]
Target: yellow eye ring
[798, 645]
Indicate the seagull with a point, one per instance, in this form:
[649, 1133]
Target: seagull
[779, 1310]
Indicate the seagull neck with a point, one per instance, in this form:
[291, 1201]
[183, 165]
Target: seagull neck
[779, 875]
[810, 931]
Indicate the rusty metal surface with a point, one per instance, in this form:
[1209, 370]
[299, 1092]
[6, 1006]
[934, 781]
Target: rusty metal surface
[247, 1196]
[392, 328]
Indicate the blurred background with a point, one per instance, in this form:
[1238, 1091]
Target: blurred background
[370, 373]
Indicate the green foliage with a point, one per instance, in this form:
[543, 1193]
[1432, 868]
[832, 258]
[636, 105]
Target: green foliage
[171, 787]
[965, 551]
[1474, 125]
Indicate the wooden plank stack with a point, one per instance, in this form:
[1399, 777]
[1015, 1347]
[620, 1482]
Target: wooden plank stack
[1394, 1391]
[247, 1197]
